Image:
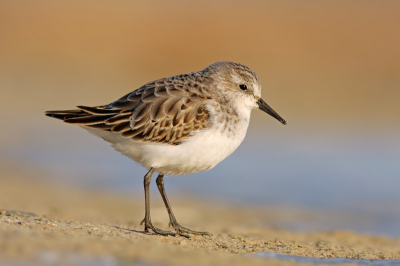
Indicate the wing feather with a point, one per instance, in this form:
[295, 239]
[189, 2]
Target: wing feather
[166, 111]
[121, 127]
[87, 120]
[119, 118]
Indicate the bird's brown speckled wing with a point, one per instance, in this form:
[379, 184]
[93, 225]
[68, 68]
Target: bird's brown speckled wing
[165, 111]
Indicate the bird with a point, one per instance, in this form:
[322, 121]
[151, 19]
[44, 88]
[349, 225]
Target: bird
[177, 125]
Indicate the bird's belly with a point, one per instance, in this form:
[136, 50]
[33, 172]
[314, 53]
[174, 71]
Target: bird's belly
[198, 153]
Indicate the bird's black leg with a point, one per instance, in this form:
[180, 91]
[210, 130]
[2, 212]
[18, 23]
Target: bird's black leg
[147, 220]
[180, 230]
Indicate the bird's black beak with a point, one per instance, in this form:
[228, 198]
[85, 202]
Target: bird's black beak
[263, 106]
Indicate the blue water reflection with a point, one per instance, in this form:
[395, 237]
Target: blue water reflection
[333, 261]
[277, 170]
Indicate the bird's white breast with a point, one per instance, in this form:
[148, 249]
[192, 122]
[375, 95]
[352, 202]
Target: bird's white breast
[199, 152]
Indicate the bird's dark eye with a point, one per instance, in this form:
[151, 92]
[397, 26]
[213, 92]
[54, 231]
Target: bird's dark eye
[243, 87]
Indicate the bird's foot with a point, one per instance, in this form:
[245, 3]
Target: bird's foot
[148, 225]
[183, 230]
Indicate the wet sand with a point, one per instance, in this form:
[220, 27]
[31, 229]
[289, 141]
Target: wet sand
[43, 223]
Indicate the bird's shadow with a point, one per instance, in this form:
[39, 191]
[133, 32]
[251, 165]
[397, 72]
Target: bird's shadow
[130, 230]
[136, 231]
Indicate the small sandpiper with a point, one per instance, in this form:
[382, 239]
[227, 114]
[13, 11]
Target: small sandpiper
[178, 125]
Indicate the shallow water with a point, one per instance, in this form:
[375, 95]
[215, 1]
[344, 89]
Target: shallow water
[340, 174]
[299, 259]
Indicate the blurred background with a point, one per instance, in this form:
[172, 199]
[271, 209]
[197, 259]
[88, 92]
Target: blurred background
[330, 68]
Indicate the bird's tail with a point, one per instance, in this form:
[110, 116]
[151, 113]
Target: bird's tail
[94, 117]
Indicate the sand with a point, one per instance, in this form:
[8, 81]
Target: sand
[47, 223]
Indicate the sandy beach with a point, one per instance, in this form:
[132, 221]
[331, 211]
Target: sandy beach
[46, 223]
